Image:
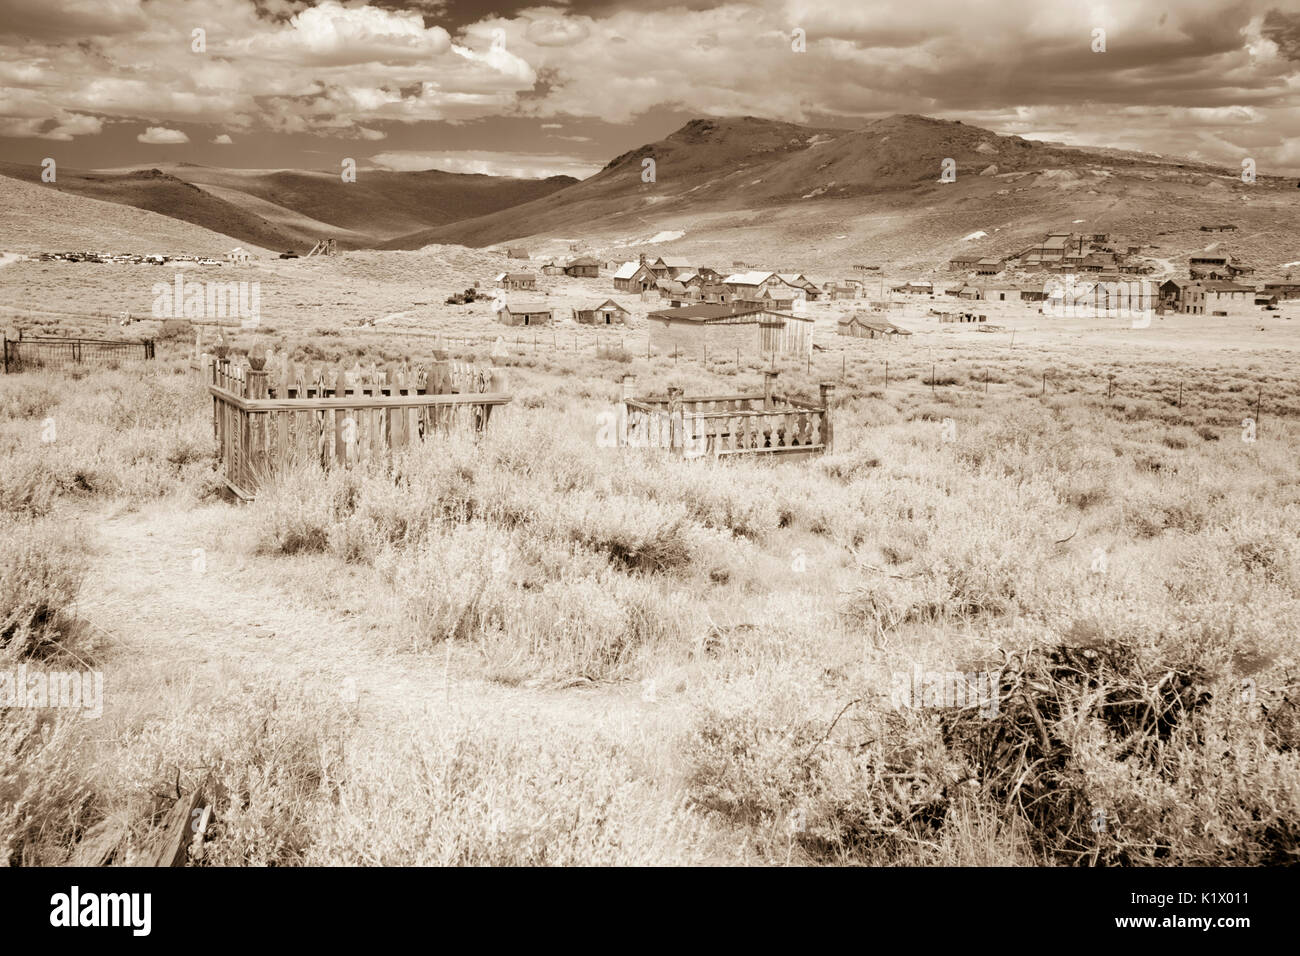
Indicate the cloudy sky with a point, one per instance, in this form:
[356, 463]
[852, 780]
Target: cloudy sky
[523, 89]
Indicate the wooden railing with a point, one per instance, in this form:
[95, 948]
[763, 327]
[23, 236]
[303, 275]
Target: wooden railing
[336, 424]
[721, 425]
[25, 353]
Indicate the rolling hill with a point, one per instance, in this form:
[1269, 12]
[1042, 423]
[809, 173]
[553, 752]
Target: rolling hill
[808, 198]
[36, 218]
[283, 209]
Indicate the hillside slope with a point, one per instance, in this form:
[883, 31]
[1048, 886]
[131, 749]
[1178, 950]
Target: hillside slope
[284, 209]
[36, 217]
[829, 199]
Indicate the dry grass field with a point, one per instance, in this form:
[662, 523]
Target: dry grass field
[531, 649]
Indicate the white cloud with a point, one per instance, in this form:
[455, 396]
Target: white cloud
[1226, 67]
[223, 140]
[160, 136]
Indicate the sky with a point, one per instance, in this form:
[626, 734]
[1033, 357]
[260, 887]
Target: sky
[520, 89]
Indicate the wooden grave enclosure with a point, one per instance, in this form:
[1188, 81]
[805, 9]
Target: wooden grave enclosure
[268, 419]
[719, 425]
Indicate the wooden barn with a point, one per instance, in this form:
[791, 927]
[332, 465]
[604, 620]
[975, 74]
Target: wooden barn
[724, 329]
[584, 267]
[517, 281]
[552, 269]
[518, 252]
[525, 313]
[869, 327]
[608, 312]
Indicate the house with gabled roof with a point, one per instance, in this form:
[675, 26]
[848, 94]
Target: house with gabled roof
[608, 312]
[634, 277]
[673, 266]
[524, 281]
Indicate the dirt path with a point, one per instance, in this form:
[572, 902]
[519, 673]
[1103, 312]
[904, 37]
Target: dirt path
[146, 599]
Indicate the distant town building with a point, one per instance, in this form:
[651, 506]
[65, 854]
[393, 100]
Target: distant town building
[634, 277]
[868, 327]
[584, 267]
[517, 281]
[1215, 267]
[525, 313]
[608, 312]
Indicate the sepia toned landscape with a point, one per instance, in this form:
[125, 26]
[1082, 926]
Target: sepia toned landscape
[894, 492]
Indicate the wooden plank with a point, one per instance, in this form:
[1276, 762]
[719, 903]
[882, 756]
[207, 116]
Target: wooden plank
[339, 446]
[168, 846]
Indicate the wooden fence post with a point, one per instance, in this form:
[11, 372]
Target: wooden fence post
[675, 442]
[629, 384]
[828, 430]
[769, 387]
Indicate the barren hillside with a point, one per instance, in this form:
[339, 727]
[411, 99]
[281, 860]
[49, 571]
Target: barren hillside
[292, 209]
[38, 218]
[829, 199]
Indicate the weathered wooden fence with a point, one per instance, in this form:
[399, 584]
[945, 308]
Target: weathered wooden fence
[727, 424]
[336, 416]
[25, 353]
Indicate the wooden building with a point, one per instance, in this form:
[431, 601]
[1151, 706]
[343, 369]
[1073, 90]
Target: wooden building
[584, 267]
[869, 327]
[1215, 267]
[525, 313]
[1283, 290]
[552, 269]
[517, 281]
[634, 277]
[673, 291]
[724, 329]
[608, 312]
[517, 252]
[1228, 298]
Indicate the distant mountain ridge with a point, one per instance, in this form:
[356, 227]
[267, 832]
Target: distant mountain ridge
[290, 209]
[767, 191]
